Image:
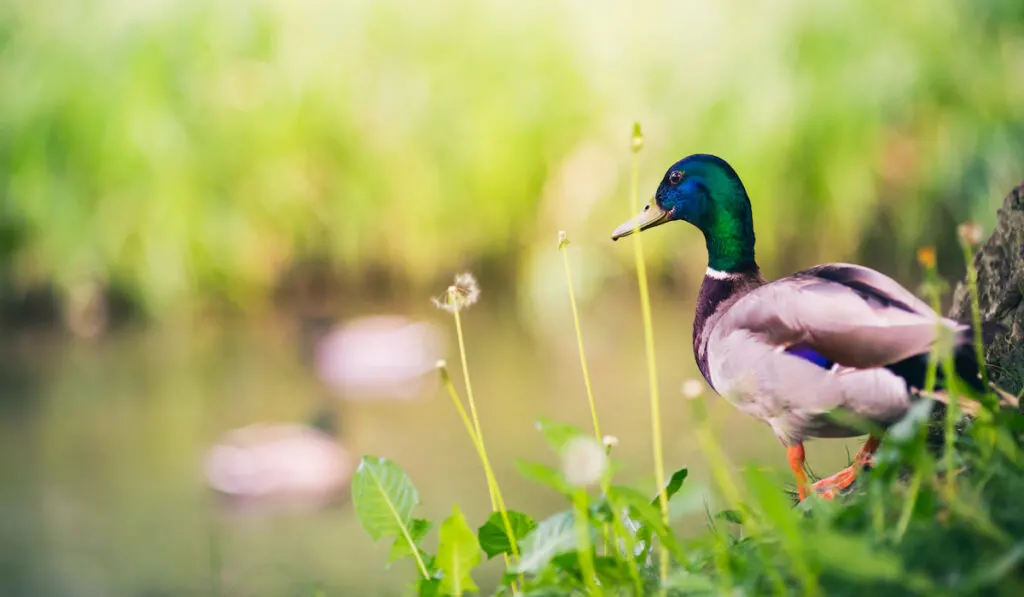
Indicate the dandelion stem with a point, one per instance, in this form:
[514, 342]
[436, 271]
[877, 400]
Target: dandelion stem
[478, 433]
[926, 257]
[630, 544]
[584, 550]
[652, 370]
[972, 286]
[715, 455]
[948, 369]
[498, 502]
[908, 505]
[562, 246]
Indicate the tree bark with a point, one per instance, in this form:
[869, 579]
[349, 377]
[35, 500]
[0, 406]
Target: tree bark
[1000, 266]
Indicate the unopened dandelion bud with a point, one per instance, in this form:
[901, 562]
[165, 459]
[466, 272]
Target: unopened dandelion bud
[637, 142]
[563, 239]
[442, 368]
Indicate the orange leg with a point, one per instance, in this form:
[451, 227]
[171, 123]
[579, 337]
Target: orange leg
[830, 487]
[796, 462]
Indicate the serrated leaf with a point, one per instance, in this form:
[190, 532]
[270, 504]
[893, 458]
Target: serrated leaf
[458, 552]
[494, 539]
[417, 531]
[674, 484]
[557, 434]
[383, 497]
[545, 475]
[552, 537]
[648, 517]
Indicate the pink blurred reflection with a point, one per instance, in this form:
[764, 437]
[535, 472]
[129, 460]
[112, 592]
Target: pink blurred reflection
[380, 357]
[275, 467]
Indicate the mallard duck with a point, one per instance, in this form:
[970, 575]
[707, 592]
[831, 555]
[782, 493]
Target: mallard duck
[791, 352]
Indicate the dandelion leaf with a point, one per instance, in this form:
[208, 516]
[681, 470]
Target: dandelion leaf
[383, 497]
[458, 552]
[554, 536]
[417, 531]
[494, 539]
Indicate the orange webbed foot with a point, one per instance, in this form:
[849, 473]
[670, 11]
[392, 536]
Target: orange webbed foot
[830, 487]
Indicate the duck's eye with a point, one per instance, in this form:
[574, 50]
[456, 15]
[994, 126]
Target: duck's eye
[675, 177]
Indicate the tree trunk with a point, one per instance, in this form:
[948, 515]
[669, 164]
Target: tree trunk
[1000, 267]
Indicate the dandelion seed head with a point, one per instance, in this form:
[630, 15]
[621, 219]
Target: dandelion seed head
[583, 461]
[610, 441]
[970, 232]
[563, 239]
[692, 388]
[441, 364]
[462, 294]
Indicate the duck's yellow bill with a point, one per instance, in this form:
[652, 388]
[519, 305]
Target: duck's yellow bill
[649, 217]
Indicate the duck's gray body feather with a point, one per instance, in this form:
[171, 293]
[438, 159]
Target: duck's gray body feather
[853, 317]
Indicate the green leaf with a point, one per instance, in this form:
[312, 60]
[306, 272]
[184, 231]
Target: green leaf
[777, 509]
[907, 428]
[494, 539]
[647, 516]
[733, 516]
[383, 497]
[428, 587]
[457, 554]
[552, 537]
[557, 434]
[417, 531]
[675, 483]
[854, 557]
[690, 583]
[545, 475]
[612, 572]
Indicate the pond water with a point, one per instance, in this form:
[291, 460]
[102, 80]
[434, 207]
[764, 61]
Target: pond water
[103, 441]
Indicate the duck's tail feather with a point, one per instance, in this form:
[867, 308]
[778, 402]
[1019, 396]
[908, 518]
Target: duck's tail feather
[965, 363]
[914, 370]
[990, 330]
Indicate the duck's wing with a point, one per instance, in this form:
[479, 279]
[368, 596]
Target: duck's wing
[850, 315]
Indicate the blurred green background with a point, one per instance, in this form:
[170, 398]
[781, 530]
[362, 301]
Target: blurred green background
[210, 184]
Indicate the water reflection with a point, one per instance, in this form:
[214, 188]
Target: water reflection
[104, 443]
[380, 357]
[278, 468]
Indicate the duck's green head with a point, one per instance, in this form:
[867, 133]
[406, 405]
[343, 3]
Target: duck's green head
[705, 191]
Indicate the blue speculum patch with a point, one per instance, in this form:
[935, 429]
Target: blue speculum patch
[808, 354]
